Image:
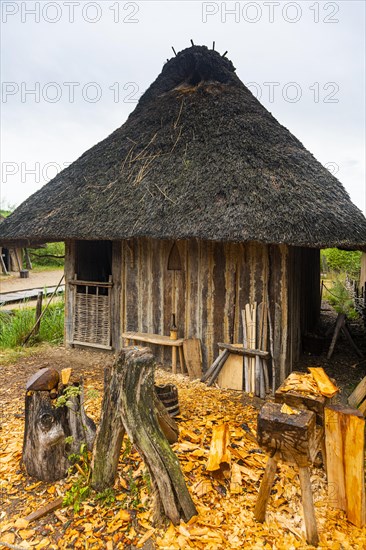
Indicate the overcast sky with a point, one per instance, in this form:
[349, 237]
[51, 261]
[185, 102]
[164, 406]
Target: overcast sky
[72, 71]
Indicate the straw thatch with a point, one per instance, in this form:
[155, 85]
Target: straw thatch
[199, 157]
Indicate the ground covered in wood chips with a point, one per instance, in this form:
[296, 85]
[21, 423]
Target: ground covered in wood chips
[121, 518]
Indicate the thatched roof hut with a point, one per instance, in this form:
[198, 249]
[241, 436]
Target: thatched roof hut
[199, 157]
[202, 163]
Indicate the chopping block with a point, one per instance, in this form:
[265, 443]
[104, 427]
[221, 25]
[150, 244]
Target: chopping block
[293, 439]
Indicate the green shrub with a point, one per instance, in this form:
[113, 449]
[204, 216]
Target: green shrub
[51, 255]
[341, 261]
[340, 298]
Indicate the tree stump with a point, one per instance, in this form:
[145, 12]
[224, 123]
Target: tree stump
[45, 453]
[130, 406]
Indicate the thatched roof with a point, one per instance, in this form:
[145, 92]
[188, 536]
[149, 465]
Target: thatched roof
[199, 157]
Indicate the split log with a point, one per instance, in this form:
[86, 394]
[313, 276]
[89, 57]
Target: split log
[110, 432]
[358, 394]
[345, 447]
[172, 498]
[219, 454]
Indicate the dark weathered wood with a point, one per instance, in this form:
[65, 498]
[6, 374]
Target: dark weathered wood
[339, 323]
[110, 431]
[290, 437]
[172, 498]
[224, 356]
[81, 427]
[44, 450]
[45, 453]
[308, 505]
[28, 262]
[351, 342]
[193, 357]
[265, 490]
[219, 359]
[38, 313]
[116, 291]
[244, 351]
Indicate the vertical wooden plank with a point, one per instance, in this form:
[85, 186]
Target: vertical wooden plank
[345, 449]
[116, 295]
[207, 270]
[131, 287]
[69, 271]
[180, 291]
[219, 293]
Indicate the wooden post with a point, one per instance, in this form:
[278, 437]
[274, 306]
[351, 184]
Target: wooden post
[174, 358]
[38, 313]
[28, 263]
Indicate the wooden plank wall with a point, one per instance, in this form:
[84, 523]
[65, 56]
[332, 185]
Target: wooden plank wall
[363, 270]
[207, 295]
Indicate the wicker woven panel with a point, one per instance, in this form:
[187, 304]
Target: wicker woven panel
[92, 319]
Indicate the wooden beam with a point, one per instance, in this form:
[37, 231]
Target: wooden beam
[244, 351]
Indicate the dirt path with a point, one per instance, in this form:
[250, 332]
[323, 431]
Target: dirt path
[36, 279]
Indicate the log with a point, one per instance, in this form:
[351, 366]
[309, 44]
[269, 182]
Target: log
[108, 441]
[44, 449]
[345, 448]
[172, 498]
[45, 453]
[301, 400]
[290, 438]
[127, 404]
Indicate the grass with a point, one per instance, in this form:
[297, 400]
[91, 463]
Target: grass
[15, 327]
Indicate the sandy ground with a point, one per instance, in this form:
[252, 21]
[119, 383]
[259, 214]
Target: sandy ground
[11, 283]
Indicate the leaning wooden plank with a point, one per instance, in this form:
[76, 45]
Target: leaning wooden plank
[218, 368]
[219, 453]
[345, 447]
[358, 394]
[362, 407]
[208, 374]
[193, 357]
[339, 323]
[324, 383]
[347, 334]
[231, 374]
[234, 348]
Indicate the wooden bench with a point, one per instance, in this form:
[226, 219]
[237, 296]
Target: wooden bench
[160, 341]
